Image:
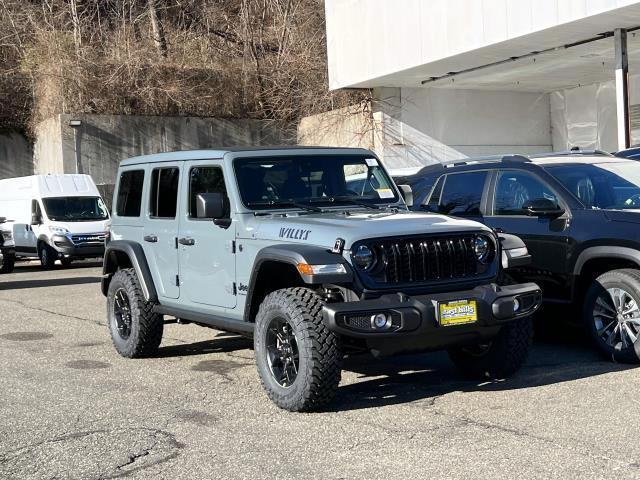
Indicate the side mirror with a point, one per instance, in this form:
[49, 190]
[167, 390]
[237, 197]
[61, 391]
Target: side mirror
[407, 194]
[3, 219]
[542, 207]
[36, 219]
[213, 206]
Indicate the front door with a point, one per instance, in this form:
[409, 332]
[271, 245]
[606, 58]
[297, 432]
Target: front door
[546, 238]
[207, 251]
[161, 228]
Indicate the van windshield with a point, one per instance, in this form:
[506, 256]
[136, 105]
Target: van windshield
[75, 209]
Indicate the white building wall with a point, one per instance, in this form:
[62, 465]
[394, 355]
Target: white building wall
[368, 39]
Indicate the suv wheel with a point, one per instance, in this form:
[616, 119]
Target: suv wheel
[135, 329]
[612, 314]
[47, 256]
[299, 360]
[7, 263]
[500, 357]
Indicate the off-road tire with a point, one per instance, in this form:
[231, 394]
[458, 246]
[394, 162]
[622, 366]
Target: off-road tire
[320, 356]
[47, 256]
[146, 326]
[629, 280]
[7, 263]
[501, 357]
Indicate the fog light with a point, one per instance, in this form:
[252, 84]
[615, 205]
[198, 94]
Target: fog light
[516, 304]
[380, 321]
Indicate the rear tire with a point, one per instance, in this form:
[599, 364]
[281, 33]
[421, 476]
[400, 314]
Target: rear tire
[499, 358]
[47, 256]
[615, 333]
[136, 331]
[298, 358]
[7, 263]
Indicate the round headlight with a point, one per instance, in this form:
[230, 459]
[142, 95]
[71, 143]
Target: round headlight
[481, 248]
[363, 258]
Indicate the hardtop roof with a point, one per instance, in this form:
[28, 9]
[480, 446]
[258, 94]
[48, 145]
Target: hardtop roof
[181, 155]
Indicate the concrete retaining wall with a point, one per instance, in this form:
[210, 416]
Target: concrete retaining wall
[16, 155]
[102, 141]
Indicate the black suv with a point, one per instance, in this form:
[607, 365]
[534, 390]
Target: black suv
[579, 215]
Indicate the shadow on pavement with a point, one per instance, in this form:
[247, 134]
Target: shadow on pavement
[47, 282]
[217, 345]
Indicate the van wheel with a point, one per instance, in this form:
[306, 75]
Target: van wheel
[136, 331]
[7, 263]
[612, 314]
[47, 256]
[298, 358]
[500, 357]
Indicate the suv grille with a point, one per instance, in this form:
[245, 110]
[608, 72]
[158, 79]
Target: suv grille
[428, 259]
[88, 239]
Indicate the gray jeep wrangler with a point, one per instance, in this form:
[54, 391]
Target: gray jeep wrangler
[313, 253]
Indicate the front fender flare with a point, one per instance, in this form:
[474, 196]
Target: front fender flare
[138, 261]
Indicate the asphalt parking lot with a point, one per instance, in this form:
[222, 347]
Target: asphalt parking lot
[70, 407]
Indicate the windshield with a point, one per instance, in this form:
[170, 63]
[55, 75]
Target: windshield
[312, 182]
[612, 186]
[75, 209]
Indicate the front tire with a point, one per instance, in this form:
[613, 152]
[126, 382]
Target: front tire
[7, 263]
[501, 357]
[136, 331]
[298, 358]
[47, 256]
[612, 315]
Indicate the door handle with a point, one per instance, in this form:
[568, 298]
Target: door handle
[150, 238]
[189, 242]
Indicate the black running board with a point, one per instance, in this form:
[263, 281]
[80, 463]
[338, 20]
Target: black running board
[220, 323]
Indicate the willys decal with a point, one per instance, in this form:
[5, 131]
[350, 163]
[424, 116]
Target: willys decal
[294, 233]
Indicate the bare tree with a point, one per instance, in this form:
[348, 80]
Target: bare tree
[158, 30]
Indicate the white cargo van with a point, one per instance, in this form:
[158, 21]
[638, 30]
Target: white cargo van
[55, 217]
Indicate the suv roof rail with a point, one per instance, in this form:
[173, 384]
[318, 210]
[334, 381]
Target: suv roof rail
[514, 158]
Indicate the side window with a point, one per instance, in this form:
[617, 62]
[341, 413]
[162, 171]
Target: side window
[130, 193]
[35, 208]
[514, 189]
[163, 201]
[462, 193]
[204, 180]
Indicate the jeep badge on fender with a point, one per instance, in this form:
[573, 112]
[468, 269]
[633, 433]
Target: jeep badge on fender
[331, 259]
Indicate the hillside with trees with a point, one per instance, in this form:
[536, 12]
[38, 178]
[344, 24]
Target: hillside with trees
[262, 59]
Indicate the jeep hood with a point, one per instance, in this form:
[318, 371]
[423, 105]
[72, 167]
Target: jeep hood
[322, 229]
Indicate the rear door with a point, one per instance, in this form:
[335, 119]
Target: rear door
[161, 227]
[207, 251]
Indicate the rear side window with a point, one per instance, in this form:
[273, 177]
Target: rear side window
[163, 201]
[462, 194]
[204, 180]
[130, 193]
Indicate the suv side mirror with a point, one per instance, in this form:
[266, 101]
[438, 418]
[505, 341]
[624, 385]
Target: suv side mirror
[36, 219]
[213, 206]
[3, 219]
[407, 194]
[542, 207]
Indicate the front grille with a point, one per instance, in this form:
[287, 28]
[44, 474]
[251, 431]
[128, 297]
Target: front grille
[427, 259]
[82, 240]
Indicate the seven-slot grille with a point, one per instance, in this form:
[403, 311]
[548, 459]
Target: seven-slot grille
[427, 259]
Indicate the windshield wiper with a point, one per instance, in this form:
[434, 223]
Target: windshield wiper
[346, 198]
[286, 203]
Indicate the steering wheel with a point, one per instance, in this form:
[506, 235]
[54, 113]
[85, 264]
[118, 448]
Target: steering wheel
[633, 201]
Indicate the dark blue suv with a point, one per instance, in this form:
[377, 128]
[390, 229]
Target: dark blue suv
[579, 215]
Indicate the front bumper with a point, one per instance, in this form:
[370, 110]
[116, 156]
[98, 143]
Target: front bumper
[66, 246]
[414, 321]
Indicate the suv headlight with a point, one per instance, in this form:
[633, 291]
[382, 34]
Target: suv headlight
[58, 230]
[7, 236]
[364, 257]
[481, 248]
